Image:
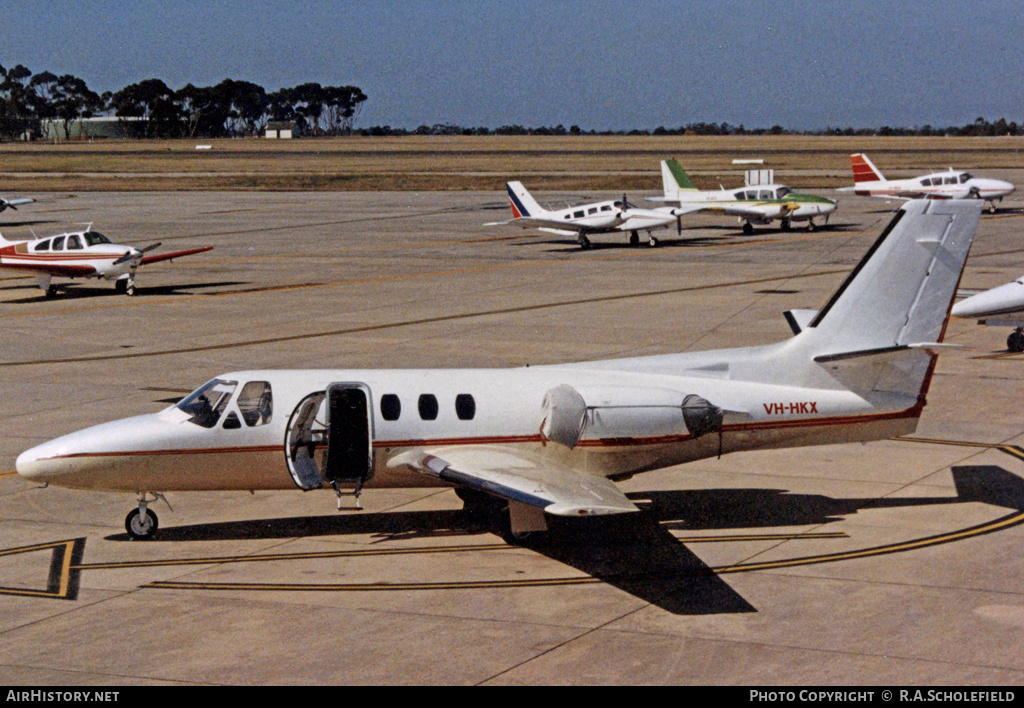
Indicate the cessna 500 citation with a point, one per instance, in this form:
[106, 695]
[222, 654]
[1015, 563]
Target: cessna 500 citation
[81, 254]
[552, 439]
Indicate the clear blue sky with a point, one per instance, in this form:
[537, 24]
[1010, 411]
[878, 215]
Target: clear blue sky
[599, 65]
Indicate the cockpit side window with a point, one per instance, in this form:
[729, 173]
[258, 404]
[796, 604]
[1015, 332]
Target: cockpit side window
[42, 246]
[74, 242]
[950, 180]
[58, 243]
[93, 238]
[207, 402]
[964, 177]
[255, 403]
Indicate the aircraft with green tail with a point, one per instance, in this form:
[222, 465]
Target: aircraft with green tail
[758, 204]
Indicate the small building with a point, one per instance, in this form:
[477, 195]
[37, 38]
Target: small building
[282, 129]
[85, 128]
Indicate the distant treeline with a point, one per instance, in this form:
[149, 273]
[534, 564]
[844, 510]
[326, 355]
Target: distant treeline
[231, 108]
[241, 108]
[978, 127]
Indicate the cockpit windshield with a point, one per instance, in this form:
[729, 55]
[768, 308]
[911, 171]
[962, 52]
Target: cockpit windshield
[93, 238]
[965, 177]
[207, 402]
[781, 192]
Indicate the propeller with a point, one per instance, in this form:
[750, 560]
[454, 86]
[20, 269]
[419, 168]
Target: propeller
[135, 253]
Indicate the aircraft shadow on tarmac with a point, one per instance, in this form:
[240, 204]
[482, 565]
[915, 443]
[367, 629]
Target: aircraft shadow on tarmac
[727, 234]
[73, 291]
[636, 553]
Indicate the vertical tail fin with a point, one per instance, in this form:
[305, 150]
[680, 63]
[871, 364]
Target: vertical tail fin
[901, 292]
[864, 170]
[675, 180]
[522, 203]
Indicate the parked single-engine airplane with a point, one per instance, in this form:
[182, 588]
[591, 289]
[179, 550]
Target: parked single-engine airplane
[13, 203]
[753, 204]
[583, 220]
[1002, 306]
[81, 254]
[953, 184]
[552, 439]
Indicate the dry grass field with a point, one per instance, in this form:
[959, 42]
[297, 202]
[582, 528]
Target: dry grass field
[474, 163]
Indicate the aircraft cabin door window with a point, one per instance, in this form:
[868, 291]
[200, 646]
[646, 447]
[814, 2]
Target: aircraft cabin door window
[58, 243]
[74, 243]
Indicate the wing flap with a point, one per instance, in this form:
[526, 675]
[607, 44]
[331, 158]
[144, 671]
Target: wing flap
[520, 477]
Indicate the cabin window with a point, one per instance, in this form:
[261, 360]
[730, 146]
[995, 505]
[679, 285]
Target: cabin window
[58, 243]
[752, 194]
[231, 422]
[765, 194]
[428, 406]
[577, 214]
[255, 403]
[42, 246]
[207, 402]
[606, 207]
[926, 183]
[741, 196]
[592, 210]
[390, 406]
[465, 406]
[949, 180]
[74, 242]
[93, 238]
[567, 216]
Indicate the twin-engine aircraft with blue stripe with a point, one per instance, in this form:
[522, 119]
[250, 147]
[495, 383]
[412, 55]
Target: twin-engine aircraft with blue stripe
[584, 220]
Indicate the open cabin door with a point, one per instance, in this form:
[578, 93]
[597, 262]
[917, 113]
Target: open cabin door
[329, 438]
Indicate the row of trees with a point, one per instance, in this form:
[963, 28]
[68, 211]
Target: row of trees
[237, 108]
[231, 108]
[979, 127]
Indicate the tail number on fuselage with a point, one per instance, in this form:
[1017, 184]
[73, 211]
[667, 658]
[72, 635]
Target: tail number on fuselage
[792, 408]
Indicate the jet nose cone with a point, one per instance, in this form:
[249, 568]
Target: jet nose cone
[37, 464]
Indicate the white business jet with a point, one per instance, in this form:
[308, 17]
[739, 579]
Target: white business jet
[755, 203]
[952, 184]
[583, 220]
[551, 440]
[1002, 306]
[81, 254]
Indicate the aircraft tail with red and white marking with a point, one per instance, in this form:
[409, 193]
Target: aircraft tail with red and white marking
[864, 169]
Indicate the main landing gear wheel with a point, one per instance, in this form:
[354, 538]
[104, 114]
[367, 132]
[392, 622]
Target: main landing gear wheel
[785, 224]
[811, 226]
[1015, 342]
[748, 228]
[124, 286]
[634, 238]
[141, 526]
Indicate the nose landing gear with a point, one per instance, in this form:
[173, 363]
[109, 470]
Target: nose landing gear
[141, 522]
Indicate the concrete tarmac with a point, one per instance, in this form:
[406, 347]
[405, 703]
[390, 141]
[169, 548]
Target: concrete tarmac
[890, 563]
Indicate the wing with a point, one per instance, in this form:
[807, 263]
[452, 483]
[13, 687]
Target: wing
[177, 254]
[519, 477]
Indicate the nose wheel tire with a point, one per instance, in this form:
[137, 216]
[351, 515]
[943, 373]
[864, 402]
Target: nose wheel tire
[141, 527]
